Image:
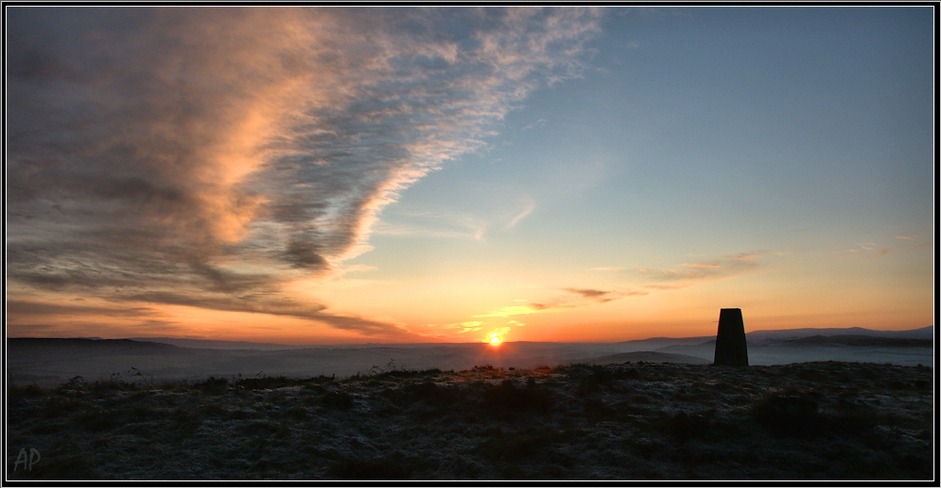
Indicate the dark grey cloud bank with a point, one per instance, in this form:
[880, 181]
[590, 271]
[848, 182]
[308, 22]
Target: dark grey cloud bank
[206, 156]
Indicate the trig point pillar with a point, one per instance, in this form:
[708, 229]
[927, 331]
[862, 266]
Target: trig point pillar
[730, 340]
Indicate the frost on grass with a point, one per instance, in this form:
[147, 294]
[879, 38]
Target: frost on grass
[631, 421]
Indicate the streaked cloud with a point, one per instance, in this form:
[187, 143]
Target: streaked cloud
[745, 256]
[871, 249]
[538, 123]
[555, 302]
[528, 206]
[465, 327]
[604, 296]
[694, 273]
[208, 156]
[436, 223]
[514, 310]
[589, 293]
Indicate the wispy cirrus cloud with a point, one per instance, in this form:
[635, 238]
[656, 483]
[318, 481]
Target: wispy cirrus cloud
[538, 123]
[607, 268]
[604, 296]
[527, 309]
[465, 327]
[528, 206]
[555, 302]
[601, 296]
[694, 273]
[207, 156]
[871, 249]
[438, 223]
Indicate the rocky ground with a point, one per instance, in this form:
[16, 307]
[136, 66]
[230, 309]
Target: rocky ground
[824, 420]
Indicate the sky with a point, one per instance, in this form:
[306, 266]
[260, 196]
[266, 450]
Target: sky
[396, 175]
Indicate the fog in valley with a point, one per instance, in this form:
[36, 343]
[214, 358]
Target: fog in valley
[48, 362]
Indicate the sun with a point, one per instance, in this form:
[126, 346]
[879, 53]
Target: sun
[495, 339]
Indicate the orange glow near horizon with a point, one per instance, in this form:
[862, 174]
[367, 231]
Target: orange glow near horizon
[419, 312]
[605, 323]
[194, 323]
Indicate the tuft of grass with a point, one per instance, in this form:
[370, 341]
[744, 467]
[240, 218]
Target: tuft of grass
[61, 407]
[47, 428]
[629, 374]
[649, 474]
[213, 385]
[596, 411]
[298, 413]
[432, 394]
[184, 424]
[97, 420]
[683, 426]
[508, 399]
[268, 383]
[516, 446]
[75, 466]
[597, 377]
[101, 388]
[393, 467]
[339, 400]
[798, 415]
[212, 410]
[261, 428]
[33, 390]
[789, 415]
[402, 373]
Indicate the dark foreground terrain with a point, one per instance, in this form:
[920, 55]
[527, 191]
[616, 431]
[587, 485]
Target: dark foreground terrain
[824, 420]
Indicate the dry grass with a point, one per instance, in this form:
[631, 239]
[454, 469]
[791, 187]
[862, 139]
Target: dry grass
[632, 421]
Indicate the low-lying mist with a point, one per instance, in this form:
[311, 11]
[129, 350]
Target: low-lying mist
[53, 361]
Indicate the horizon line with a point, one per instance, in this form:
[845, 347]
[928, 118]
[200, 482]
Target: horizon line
[151, 339]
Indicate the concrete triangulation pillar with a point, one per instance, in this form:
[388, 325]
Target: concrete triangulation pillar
[730, 340]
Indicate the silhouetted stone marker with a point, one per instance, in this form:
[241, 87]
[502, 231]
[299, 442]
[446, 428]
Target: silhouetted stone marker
[730, 340]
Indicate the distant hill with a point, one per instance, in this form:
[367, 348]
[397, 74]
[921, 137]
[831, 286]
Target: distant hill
[859, 341]
[658, 342]
[707, 348]
[88, 346]
[791, 334]
[775, 336]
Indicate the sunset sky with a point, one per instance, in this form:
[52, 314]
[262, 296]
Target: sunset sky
[325, 175]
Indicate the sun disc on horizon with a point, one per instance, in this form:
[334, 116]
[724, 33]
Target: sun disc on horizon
[495, 341]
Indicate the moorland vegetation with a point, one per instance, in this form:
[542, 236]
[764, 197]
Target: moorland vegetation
[824, 420]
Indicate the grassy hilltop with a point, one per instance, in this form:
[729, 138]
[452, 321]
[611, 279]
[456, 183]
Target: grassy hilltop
[827, 420]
